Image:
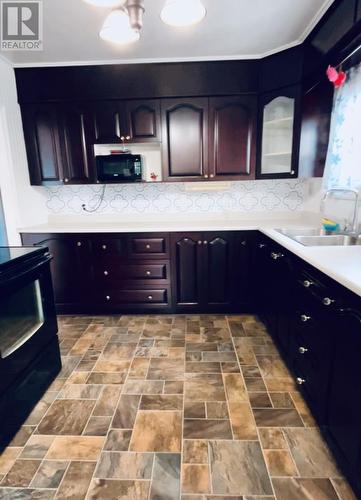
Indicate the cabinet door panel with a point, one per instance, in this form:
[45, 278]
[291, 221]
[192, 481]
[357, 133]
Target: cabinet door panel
[78, 145]
[143, 120]
[41, 131]
[279, 134]
[108, 119]
[344, 412]
[218, 274]
[185, 143]
[70, 267]
[232, 137]
[187, 269]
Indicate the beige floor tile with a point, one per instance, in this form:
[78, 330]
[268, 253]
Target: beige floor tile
[157, 431]
[195, 479]
[280, 463]
[195, 452]
[76, 481]
[76, 448]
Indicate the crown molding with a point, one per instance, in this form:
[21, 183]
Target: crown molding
[240, 57]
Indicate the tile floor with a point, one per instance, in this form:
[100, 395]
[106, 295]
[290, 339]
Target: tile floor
[170, 407]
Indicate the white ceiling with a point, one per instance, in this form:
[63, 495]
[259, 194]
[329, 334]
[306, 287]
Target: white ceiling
[232, 29]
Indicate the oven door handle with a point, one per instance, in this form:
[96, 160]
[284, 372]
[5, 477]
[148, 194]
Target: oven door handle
[45, 259]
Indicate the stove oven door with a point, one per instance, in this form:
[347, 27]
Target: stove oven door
[27, 320]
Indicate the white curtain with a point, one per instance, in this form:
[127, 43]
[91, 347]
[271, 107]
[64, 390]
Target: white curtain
[343, 164]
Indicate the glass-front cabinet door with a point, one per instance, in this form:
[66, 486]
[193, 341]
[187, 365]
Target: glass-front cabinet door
[279, 134]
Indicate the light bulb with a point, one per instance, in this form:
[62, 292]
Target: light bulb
[106, 3]
[116, 28]
[183, 12]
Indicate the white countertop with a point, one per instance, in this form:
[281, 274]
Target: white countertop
[343, 264]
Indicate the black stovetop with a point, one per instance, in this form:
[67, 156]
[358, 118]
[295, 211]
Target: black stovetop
[11, 255]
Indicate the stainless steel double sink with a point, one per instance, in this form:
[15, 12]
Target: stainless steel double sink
[313, 237]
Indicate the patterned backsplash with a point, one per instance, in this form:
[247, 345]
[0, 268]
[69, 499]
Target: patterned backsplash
[172, 198]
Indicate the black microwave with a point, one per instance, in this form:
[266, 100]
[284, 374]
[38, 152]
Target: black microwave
[122, 167]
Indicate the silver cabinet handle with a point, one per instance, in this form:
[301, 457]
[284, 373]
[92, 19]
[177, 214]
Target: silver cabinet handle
[206, 176]
[307, 283]
[262, 245]
[79, 244]
[300, 381]
[205, 242]
[276, 256]
[244, 243]
[148, 273]
[199, 242]
[104, 247]
[292, 172]
[327, 301]
[305, 318]
[147, 247]
[66, 180]
[302, 350]
[150, 297]
[106, 273]
[211, 176]
[107, 297]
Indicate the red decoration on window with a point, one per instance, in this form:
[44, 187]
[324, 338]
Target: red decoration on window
[338, 78]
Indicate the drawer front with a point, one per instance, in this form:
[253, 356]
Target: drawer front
[108, 247]
[134, 296]
[112, 272]
[148, 247]
[315, 293]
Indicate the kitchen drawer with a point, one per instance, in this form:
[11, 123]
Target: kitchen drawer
[129, 296]
[314, 386]
[105, 248]
[315, 293]
[148, 247]
[113, 272]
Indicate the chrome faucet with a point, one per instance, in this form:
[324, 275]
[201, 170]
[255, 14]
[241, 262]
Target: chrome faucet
[349, 228]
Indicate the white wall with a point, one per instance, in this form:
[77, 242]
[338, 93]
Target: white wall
[23, 204]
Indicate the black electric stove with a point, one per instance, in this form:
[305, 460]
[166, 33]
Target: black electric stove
[29, 347]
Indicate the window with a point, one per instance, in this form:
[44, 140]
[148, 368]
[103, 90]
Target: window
[343, 164]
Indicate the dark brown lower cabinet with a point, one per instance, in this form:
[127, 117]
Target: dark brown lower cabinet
[210, 271]
[152, 272]
[69, 268]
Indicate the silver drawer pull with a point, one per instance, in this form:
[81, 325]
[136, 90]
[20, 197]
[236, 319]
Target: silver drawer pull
[107, 297]
[262, 245]
[307, 283]
[106, 273]
[148, 273]
[302, 350]
[150, 297]
[147, 247]
[79, 244]
[327, 301]
[305, 318]
[300, 381]
[199, 242]
[104, 247]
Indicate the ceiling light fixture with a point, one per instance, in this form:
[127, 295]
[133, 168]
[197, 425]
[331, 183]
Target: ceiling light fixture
[117, 28]
[183, 13]
[106, 3]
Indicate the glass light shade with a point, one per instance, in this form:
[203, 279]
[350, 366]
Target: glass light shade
[116, 28]
[183, 12]
[106, 3]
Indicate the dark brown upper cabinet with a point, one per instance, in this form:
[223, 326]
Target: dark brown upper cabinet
[232, 137]
[41, 130]
[143, 120]
[279, 134]
[315, 129]
[77, 139]
[108, 121]
[185, 139]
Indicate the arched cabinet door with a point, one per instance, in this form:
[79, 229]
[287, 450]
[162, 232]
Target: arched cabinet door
[279, 134]
[185, 141]
[41, 129]
[187, 263]
[77, 138]
[232, 137]
[143, 120]
[218, 261]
